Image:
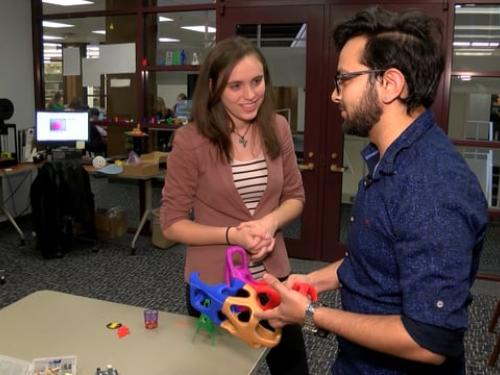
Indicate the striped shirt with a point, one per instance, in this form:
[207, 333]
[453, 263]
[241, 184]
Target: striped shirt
[250, 180]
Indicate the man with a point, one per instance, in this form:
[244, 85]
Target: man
[419, 217]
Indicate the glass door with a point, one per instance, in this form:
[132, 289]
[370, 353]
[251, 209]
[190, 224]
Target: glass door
[292, 43]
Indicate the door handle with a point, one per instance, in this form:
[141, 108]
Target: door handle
[306, 167]
[335, 168]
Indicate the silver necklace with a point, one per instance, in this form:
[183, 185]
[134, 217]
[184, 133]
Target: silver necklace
[241, 138]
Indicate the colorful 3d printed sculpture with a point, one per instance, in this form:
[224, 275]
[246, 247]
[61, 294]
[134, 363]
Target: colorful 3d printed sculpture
[232, 305]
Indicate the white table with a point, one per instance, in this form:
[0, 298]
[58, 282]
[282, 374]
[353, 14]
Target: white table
[48, 324]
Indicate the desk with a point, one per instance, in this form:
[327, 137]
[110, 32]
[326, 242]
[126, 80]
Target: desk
[145, 195]
[24, 168]
[48, 323]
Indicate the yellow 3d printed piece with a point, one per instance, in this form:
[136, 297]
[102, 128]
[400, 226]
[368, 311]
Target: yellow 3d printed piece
[242, 323]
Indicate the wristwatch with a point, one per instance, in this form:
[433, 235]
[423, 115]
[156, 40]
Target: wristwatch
[309, 325]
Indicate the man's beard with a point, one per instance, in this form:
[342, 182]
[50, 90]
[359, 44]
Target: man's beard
[363, 116]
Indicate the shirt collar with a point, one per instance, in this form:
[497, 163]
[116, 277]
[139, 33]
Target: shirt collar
[413, 132]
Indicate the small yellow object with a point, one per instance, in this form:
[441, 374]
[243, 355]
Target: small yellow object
[119, 162]
[137, 129]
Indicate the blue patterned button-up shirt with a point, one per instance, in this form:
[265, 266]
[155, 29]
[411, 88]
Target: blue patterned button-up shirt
[414, 242]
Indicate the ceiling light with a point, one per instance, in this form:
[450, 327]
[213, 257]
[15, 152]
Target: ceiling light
[478, 36]
[480, 44]
[477, 10]
[164, 19]
[56, 25]
[67, 3]
[461, 44]
[464, 78]
[200, 29]
[101, 32]
[51, 37]
[52, 45]
[168, 40]
[476, 27]
[473, 50]
[473, 53]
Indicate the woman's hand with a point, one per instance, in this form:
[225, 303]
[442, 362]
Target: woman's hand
[264, 230]
[249, 240]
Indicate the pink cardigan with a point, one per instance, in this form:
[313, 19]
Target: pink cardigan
[196, 178]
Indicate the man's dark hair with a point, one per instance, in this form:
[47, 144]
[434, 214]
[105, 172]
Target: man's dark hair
[408, 41]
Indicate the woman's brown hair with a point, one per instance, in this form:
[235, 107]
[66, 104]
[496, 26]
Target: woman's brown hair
[208, 112]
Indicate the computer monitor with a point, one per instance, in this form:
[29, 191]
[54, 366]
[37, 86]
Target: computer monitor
[61, 129]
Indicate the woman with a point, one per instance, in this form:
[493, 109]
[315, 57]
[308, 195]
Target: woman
[161, 110]
[235, 166]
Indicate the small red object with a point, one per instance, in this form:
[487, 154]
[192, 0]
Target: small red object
[144, 62]
[307, 290]
[123, 331]
[268, 297]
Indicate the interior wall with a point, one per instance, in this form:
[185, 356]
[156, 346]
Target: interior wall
[16, 84]
[16, 61]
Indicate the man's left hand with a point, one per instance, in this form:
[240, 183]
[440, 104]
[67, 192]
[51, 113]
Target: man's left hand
[292, 308]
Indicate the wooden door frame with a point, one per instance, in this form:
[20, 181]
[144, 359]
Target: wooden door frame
[231, 14]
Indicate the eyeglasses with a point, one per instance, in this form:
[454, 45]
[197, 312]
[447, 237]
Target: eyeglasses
[340, 78]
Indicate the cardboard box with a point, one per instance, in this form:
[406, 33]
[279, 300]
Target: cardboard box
[110, 223]
[141, 169]
[155, 157]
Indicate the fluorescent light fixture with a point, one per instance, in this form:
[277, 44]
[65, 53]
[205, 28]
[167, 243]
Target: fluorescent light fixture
[67, 3]
[478, 36]
[164, 19]
[480, 44]
[476, 27]
[52, 45]
[473, 53]
[476, 44]
[473, 50]
[56, 25]
[464, 78]
[101, 32]
[478, 10]
[200, 29]
[168, 40]
[52, 37]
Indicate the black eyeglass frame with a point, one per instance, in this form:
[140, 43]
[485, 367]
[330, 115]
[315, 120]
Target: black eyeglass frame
[340, 78]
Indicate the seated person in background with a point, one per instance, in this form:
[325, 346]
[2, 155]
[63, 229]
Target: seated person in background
[56, 104]
[76, 105]
[97, 134]
[161, 110]
[179, 98]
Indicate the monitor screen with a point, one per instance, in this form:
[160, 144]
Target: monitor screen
[60, 127]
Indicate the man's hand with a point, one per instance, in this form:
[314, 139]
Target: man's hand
[292, 308]
[298, 278]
